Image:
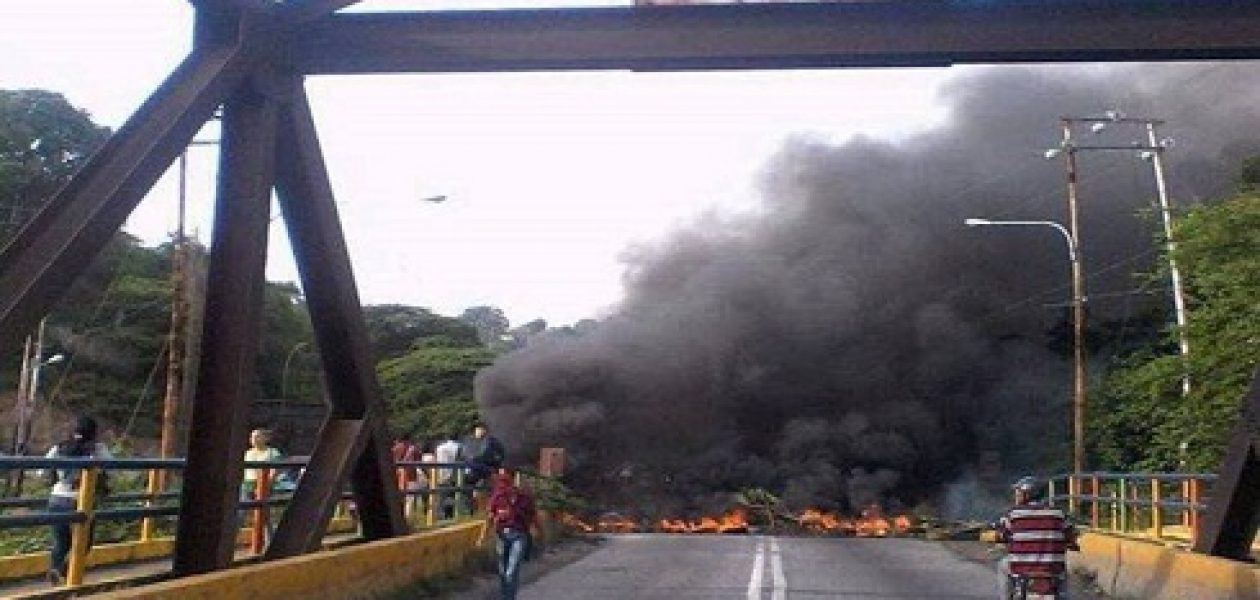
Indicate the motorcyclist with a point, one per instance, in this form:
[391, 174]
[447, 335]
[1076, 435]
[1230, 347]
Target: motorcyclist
[1037, 538]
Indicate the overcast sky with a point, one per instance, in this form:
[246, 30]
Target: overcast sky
[548, 176]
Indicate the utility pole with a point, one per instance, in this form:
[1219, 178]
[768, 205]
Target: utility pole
[13, 480]
[1156, 154]
[179, 318]
[1078, 306]
[31, 365]
[24, 387]
[1151, 149]
[178, 337]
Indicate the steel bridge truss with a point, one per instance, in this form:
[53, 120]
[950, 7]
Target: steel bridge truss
[249, 59]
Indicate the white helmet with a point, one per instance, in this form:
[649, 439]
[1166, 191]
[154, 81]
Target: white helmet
[1026, 485]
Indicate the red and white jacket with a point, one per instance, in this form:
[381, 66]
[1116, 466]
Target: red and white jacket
[1037, 538]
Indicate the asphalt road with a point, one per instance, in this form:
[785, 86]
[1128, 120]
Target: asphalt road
[766, 568]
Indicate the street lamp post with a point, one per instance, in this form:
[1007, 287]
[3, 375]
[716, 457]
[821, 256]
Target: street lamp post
[1078, 332]
[32, 363]
[284, 374]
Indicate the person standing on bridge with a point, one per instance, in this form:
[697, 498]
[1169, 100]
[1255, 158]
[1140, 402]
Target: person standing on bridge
[447, 452]
[403, 451]
[1037, 538]
[484, 454]
[65, 490]
[260, 450]
[511, 514]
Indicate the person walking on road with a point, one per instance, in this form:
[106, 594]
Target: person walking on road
[82, 443]
[510, 514]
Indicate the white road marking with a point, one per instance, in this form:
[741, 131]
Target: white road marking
[758, 571]
[776, 567]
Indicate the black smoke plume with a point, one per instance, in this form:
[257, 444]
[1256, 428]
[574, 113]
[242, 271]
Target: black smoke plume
[852, 341]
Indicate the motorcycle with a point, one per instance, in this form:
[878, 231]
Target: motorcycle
[1037, 586]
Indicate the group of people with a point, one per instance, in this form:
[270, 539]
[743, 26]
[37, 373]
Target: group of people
[480, 451]
[509, 508]
[510, 511]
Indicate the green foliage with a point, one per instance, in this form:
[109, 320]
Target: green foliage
[1142, 418]
[551, 494]
[1249, 175]
[429, 389]
[43, 140]
[287, 340]
[394, 328]
[490, 322]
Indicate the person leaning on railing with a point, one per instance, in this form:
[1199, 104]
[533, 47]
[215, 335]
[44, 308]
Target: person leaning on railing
[82, 443]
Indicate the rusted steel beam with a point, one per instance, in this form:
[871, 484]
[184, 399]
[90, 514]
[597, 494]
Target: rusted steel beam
[354, 432]
[233, 319]
[1233, 516]
[44, 258]
[758, 36]
[304, 523]
[303, 10]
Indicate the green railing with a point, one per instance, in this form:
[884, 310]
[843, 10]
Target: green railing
[1161, 506]
[159, 500]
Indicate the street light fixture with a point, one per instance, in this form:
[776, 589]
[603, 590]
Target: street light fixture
[1078, 328]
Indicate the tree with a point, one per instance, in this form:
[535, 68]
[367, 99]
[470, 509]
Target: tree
[429, 390]
[43, 140]
[393, 328]
[490, 322]
[1249, 176]
[1149, 420]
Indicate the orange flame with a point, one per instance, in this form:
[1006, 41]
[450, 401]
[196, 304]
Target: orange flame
[733, 521]
[573, 522]
[871, 523]
[617, 524]
[673, 526]
[817, 520]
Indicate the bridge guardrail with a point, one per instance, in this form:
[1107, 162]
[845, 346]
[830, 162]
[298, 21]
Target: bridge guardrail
[154, 502]
[1162, 506]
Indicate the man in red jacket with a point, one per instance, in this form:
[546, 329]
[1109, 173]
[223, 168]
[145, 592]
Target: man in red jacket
[510, 513]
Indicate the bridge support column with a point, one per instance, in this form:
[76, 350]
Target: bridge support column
[208, 520]
[1234, 514]
[352, 442]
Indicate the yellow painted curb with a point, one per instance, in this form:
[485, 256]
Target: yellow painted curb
[26, 566]
[360, 571]
[1152, 571]
[30, 565]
